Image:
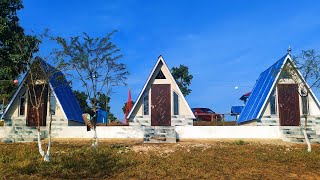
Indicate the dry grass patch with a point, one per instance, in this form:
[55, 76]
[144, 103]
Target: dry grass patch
[229, 159]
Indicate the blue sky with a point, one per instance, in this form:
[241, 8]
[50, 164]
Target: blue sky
[224, 43]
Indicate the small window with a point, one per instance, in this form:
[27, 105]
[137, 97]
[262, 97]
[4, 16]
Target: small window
[146, 104]
[273, 103]
[175, 104]
[160, 75]
[52, 104]
[22, 105]
[305, 104]
[286, 74]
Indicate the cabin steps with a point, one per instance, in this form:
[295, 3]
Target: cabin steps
[295, 134]
[160, 134]
[19, 132]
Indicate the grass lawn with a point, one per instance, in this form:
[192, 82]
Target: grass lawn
[201, 159]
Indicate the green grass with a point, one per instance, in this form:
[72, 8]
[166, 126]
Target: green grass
[184, 160]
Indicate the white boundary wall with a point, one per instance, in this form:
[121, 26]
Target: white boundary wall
[183, 132]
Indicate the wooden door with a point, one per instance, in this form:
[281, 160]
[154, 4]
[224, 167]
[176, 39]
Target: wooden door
[288, 100]
[160, 105]
[32, 113]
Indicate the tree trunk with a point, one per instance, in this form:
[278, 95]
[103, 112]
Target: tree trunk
[47, 156]
[305, 133]
[39, 131]
[95, 138]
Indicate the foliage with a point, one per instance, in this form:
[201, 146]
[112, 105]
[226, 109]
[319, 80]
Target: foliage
[308, 62]
[82, 98]
[239, 142]
[185, 160]
[12, 41]
[95, 61]
[124, 106]
[183, 78]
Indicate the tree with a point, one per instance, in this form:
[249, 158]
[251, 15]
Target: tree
[11, 56]
[183, 78]
[125, 105]
[95, 62]
[39, 74]
[103, 101]
[82, 99]
[308, 62]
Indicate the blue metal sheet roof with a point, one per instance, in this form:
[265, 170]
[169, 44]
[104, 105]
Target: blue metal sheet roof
[63, 92]
[260, 92]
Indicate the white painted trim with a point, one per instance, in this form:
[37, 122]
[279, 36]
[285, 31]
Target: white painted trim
[174, 92]
[19, 105]
[273, 85]
[57, 99]
[179, 91]
[305, 82]
[144, 87]
[289, 59]
[14, 96]
[160, 59]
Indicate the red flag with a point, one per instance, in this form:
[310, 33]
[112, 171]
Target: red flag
[128, 106]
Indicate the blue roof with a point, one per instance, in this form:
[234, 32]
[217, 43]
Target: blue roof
[236, 109]
[64, 94]
[260, 92]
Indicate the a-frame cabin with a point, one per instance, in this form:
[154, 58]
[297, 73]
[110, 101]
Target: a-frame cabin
[281, 97]
[160, 103]
[58, 98]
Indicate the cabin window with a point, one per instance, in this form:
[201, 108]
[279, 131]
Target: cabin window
[305, 104]
[175, 104]
[22, 104]
[286, 74]
[146, 104]
[160, 75]
[52, 104]
[273, 103]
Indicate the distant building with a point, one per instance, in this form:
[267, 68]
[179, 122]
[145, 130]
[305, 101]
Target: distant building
[245, 97]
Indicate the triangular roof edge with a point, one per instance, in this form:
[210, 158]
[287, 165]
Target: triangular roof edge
[273, 84]
[160, 59]
[250, 115]
[305, 82]
[287, 58]
[14, 96]
[55, 95]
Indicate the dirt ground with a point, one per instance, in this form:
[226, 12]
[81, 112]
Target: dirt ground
[187, 159]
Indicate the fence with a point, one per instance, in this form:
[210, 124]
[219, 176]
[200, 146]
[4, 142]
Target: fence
[183, 132]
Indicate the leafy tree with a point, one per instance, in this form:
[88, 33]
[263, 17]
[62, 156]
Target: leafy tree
[82, 99]
[11, 55]
[95, 62]
[183, 78]
[308, 62]
[103, 101]
[124, 106]
[37, 85]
